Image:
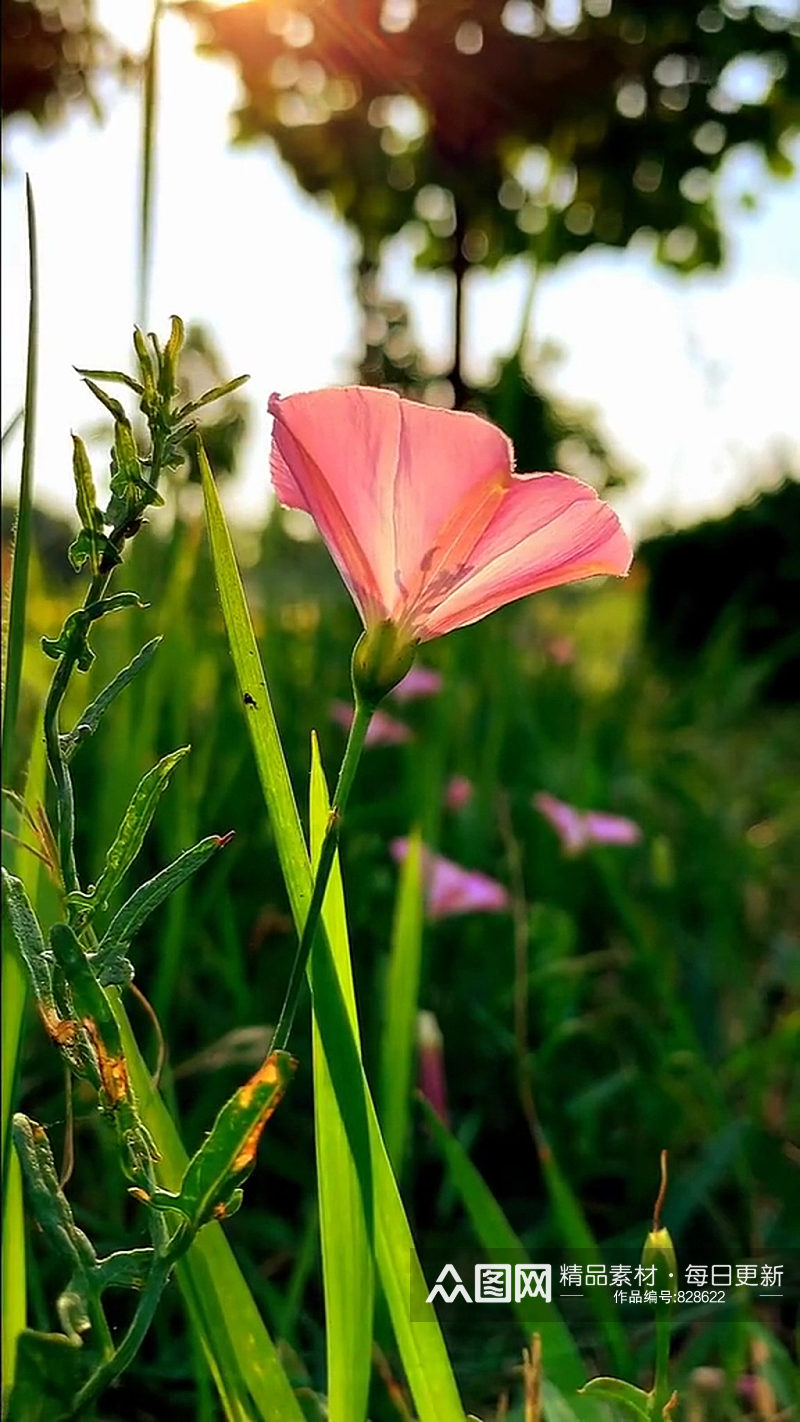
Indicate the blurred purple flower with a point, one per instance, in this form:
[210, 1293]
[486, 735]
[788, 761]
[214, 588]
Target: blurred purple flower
[458, 792]
[580, 829]
[449, 889]
[383, 730]
[432, 1082]
[419, 682]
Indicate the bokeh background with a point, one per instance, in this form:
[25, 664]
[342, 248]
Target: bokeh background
[582, 221]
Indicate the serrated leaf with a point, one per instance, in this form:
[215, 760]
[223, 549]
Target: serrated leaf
[126, 923]
[131, 833]
[90, 719]
[228, 1153]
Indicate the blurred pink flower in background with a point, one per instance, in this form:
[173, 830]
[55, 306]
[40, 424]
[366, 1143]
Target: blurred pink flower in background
[458, 792]
[431, 1080]
[418, 683]
[580, 829]
[383, 730]
[420, 508]
[449, 889]
[560, 650]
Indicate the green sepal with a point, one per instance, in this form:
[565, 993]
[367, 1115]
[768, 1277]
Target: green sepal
[619, 1394]
[216, 393]
[210, 1186]
[109, 962]
[90, 719]
[115, 409]
[129, 837]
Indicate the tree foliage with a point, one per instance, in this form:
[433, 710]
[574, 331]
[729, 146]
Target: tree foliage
[502, 128]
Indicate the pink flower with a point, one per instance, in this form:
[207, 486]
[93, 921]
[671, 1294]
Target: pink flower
[449, 889]
[432, 1082]
[419, 682]
[383, 730]
[579, 829]
[458, 792]
[420, 508]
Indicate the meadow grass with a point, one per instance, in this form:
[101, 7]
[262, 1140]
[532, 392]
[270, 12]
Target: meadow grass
[658, 979]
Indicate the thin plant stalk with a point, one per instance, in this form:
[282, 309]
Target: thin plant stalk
[347, 771]
[148, 170]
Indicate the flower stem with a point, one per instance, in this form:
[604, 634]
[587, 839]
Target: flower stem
[330, 842]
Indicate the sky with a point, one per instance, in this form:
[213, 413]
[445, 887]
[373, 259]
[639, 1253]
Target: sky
[694, 380]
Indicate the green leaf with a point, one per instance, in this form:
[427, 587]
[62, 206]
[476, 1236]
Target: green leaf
[29, 938]
[15, 643]
[421, 1345]
[216, 393]
[401, 998]
[169, 361]
[563, 1363]
[113, 406]
[347, 1225]
[78, 623]
[90, 541]
[145, 365]
[128, 920]
[242, 1357]
[227, 1155]
[127, 1269]
[50, 1370]
[619, 1394]
[117, 377]
[130, 835]
[90, 719]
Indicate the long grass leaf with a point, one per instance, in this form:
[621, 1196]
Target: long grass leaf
[147, 180]
[15, 640]
[421, 1344]
[401, 998]
[564, 1368]
[346, 1219]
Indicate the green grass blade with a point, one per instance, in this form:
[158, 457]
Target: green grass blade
[240, 1352]
[563, 1365]
[346, 1220]
[576, 1235]
[148, 170]
[14, 1282]
[15, 640]
[421, 1344]
[401, 998]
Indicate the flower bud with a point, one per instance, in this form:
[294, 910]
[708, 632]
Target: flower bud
[660, 1251]
[383, 655]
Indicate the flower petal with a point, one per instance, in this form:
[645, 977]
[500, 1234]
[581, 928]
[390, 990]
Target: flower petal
[548, 529]
[383, 478]
[602, 828]
[567, 822]
[451, 889]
